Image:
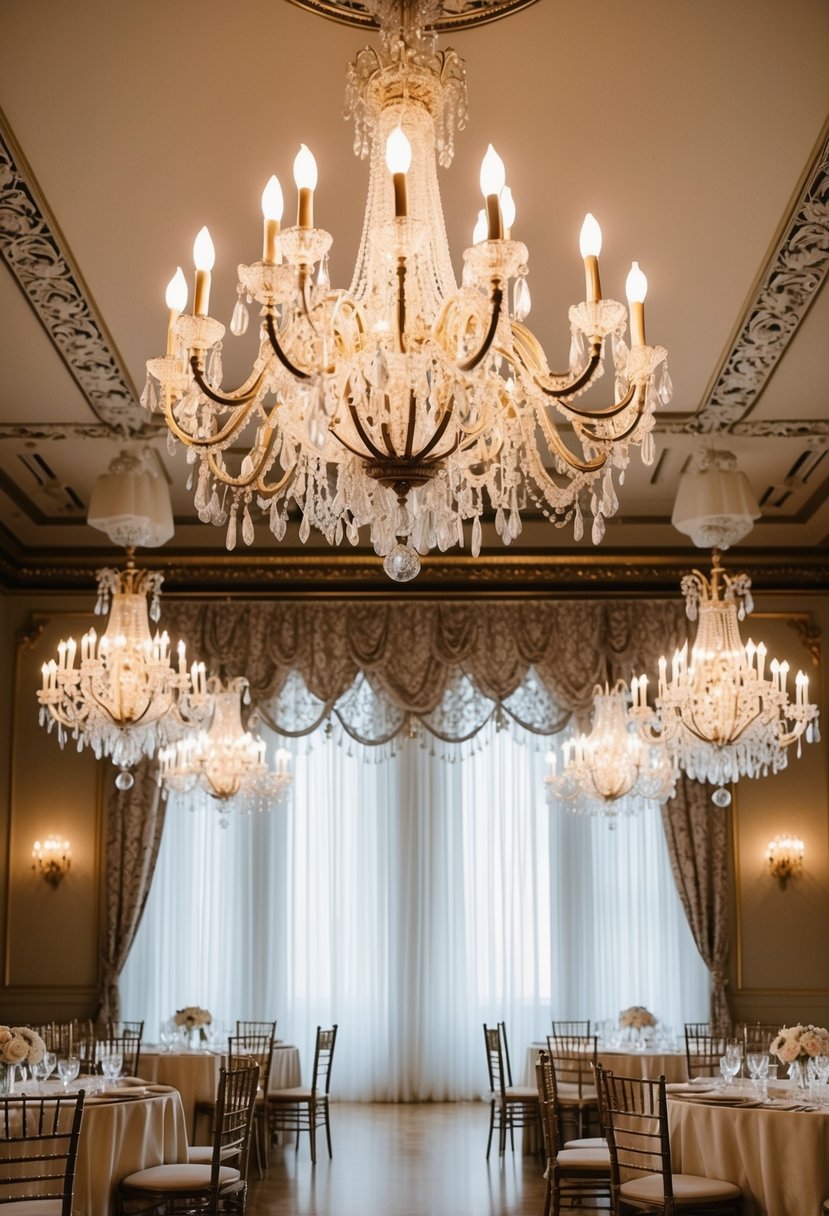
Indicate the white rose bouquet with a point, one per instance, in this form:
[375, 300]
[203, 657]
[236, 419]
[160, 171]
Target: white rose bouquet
[637, 1017]
[20, 1045]
[192, 1017]
[799, 1043]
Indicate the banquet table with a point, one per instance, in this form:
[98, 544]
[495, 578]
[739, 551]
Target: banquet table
[650, 1063]
[779, 1157]
[120, 1134]
[195, 1074]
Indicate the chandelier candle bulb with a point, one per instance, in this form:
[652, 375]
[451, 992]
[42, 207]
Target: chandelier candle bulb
[493, 179]
[305, 179]
[636, 288]
[272, 207]
[507, 211]
[204, 256]
[398, 162]
[175, 297]
[479, 232]
[590, 246]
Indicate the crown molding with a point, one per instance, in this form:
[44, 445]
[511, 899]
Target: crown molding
[542, 574]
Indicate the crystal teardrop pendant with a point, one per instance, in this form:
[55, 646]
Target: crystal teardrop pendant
[521, 300]
[124, 780]
[721, 797]
[239, 320]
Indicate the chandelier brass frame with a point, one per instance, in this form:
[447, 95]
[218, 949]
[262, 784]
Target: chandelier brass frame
[405, 405]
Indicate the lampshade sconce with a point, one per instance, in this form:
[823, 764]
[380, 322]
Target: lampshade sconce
[785, 858]
[52, 858]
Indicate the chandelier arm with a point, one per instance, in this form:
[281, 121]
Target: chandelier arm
[108, 713]
[496, 301]
[270, 491]
[531, 353]
[410, 429]
[610, 412]
[401, 305]
[361, 431]
[241, 482]
[793, 735]
[240, 396]
[440, 431]
[227, 432]
[580, 382]
[640, 409]
[559, 447]
[295, 371]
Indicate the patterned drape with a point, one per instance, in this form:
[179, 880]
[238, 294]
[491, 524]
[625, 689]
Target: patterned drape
[696, 831]
[134, 820]
[449, 665]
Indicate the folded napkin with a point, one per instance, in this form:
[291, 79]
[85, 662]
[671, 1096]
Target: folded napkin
[689, 1087]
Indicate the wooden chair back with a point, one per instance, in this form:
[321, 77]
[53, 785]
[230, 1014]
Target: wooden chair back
[574, 1058]
[39, 1149]
[635, 1113]
[566, 1029]
[323, 1059]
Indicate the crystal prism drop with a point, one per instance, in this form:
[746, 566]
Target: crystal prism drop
[149, 398]
[124, 780]
[598, 529]
[247, 527]
[521, 299]
[721, 797]
[304, 529]
[666, 389]
[476, 536]
[239, 320]
[578, 523]
[172, 443]
[230, 540]
[648, 449]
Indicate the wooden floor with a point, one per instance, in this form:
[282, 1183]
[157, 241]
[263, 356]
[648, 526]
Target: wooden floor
[401, 1160]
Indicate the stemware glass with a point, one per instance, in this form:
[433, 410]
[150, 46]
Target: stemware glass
[729, 1067]
[758, 1064]
[168, 1033]
[734, 1054]
[49, 1064]
[68, 1069]
[111, 1064]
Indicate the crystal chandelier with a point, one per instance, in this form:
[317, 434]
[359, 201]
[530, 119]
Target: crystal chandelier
[405, 405]
[226, 761]
[720, 717]
[613, 770]
[122, 698]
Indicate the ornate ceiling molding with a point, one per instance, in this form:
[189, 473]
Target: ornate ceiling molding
[344, 575]
[53, 432]
[36, 252]
[788, 285]
[452, 14]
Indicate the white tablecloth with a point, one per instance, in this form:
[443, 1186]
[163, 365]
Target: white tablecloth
[121, 1136]
[195, 1074]
[648, 1064]
[780, 1158]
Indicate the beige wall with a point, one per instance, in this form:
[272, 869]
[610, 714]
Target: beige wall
[49, 937]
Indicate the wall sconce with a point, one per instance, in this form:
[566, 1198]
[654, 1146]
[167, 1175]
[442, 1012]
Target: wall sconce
[785, 858]
[52, 859]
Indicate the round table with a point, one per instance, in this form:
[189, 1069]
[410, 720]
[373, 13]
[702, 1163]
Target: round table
[652, 1063]
[195, 1074]
[118, 1136]
[780, 1158]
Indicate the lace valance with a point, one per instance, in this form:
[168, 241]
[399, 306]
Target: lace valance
[382, 670]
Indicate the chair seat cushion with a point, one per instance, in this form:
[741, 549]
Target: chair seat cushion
[584, 1158]
[587, 1142]
[569, 1092]
[522, 1093]
[202, 1154]
[299, 1093]
[688, 1188]
[178, 1178]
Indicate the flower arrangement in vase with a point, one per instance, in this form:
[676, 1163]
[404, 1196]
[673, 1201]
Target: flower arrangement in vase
[20, 1046]
[192, 1019]
[635, 1020]
[796, 1045]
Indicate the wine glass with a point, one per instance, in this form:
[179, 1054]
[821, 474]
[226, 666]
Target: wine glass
[68, 1069]
[168, 1033]
[49, 1063]
[758, 1064]
[729, 1066]
[111, 1064]
[734, 1051]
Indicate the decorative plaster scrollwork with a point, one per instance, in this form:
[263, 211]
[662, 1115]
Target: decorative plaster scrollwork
[43, 266]
[453, 14]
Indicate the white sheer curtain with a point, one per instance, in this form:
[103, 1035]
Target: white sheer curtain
[409, 901]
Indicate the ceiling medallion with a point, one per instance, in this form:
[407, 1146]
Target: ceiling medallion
[445, 15]
[405, 406]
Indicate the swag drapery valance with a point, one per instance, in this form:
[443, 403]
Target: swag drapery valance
[448, 666]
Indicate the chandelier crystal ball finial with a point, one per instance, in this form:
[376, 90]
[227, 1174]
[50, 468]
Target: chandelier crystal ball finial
[405, 409]
[719, 714]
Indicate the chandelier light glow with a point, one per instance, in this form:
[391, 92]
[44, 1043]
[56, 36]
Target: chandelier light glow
[720, 716]
[405, 405]
[122, 698]
[613, 770]
[225, 761]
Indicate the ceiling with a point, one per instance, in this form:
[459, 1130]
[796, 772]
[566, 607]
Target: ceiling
[696, 133]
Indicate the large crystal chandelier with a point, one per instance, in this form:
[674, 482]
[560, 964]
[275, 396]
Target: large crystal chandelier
[122, 697]
[405, 405]
[226, 762]
[612, 770]
[721, 716]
